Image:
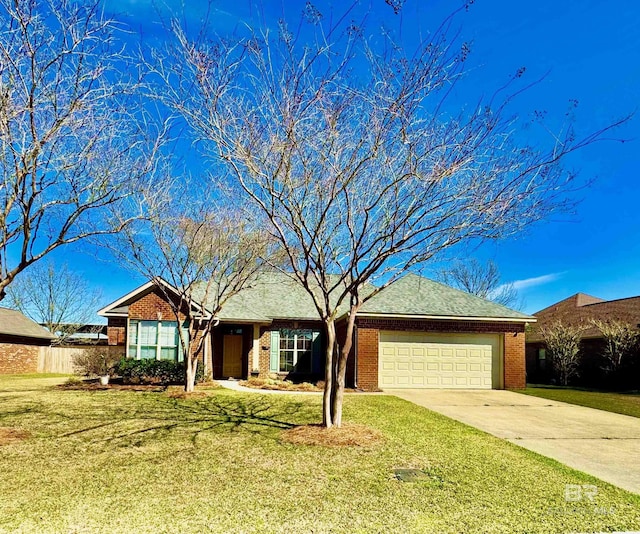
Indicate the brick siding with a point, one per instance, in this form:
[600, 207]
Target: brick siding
[117, 330]
[514, 361]
[152, 307]
[462, 327]
[367, 360]
[19, 355]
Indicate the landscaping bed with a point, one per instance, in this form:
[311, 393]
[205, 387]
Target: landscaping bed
[280, 385]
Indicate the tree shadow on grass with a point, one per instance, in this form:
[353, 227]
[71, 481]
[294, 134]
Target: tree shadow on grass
[136, 424]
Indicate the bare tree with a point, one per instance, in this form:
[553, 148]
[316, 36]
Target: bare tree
[621, 341]
[563, 343]
[482, 280]
[198, 255]
[56, 297]
[349, 150]
[72, 145]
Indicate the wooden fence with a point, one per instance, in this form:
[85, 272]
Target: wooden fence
[60, 359]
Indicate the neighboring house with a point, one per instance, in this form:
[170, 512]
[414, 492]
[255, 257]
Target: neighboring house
[416, 333]
[84, 335]
[22, 342]
[579, 309]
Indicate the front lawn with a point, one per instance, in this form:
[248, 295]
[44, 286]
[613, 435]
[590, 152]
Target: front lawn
[624, 403]
[142, 461]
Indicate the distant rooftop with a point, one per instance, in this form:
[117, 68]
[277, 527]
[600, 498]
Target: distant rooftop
[14, 323]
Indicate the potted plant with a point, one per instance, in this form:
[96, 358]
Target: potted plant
[104, 370]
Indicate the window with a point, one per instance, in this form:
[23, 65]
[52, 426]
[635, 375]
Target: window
[294, 350]
[155, 340]
[542, 359]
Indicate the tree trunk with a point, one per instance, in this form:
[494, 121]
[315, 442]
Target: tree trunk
[330, 328]
[341, 369]
[209, 358]
[190, 374]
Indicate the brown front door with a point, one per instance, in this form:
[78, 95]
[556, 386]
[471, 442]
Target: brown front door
[232, 356]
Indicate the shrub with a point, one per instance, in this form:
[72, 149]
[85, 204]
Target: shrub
[563, 344]
[94, 361]
[621, 342]
[153, 371]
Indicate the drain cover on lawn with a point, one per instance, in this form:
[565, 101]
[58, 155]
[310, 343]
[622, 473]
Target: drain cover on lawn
[411, 475]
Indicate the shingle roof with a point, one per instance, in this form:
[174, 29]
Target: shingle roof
[276, 296]
[273, 296]
[13, 323]
[416, 295]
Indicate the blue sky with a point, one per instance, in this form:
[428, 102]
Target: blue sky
[586, 51]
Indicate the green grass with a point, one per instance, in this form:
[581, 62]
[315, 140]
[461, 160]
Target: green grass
[624, 403]
[122, 461]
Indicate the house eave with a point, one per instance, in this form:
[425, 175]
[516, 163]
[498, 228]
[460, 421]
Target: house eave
[229, 320]
[102, 313]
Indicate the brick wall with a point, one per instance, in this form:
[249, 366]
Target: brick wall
[265, 351]
[19, 355]
[152, 307]
[514, 361]
[116, 330]
[368, 338]
[461, 327]
[367, 361]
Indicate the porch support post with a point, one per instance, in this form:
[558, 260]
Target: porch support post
[255, 365]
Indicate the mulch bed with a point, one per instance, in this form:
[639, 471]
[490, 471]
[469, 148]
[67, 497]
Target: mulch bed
[10, 435]
[94, 385]
[348, 435]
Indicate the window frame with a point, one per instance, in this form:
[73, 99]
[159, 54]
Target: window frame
[158, 345]
[297, 353]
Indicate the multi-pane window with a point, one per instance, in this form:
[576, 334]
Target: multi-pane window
[295, 350]
[154, 340]
[542, 359]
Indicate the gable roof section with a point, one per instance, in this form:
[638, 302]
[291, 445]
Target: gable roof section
[414, 295]
[120, 307]
[13, 323]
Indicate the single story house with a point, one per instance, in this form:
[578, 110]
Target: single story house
[21, 342]
[579, 309]
[416, 333]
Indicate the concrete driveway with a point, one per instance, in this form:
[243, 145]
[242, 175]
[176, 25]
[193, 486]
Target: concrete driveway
[603, 444]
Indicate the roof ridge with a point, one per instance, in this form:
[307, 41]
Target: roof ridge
[612, 300]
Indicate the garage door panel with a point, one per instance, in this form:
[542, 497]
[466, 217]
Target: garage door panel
[415, 359]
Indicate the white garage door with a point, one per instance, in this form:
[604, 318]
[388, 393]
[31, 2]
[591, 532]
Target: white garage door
[419, 360]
